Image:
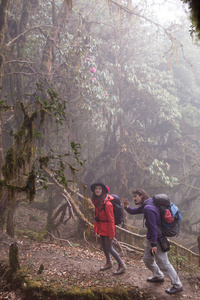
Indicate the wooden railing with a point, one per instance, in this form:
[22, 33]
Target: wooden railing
[138, 240]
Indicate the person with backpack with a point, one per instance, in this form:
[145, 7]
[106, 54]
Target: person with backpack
[104, 225]
[153, 248]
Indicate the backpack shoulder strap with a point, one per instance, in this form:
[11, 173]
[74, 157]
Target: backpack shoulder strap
[108, 198]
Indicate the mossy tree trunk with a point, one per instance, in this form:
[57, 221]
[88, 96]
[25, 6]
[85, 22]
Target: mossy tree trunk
[50, 205]
[14, 264]
[20, 53]
[3, 6]
[14, 258]
[1, 149]
[19, 159]
[10, 226]
[198, 241]
[47, 55]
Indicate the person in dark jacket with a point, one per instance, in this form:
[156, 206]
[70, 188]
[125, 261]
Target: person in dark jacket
[104, 225]
[153, 250]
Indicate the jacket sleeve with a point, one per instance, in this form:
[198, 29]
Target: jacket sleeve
[152, 226]
[111, 219]
[134, 211]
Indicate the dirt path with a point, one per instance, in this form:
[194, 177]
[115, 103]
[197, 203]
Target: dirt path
[77, 264]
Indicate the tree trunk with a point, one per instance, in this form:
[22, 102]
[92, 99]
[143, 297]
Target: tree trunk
[1, 149]
[14, 264]
[198, 241]
[10, 227]
[3, 6]
[47, 55]
[14, 258]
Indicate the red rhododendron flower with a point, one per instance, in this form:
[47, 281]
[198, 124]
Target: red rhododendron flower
[106, 95]
[94, 79]
[87, 58]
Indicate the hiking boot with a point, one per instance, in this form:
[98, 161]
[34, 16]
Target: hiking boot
[174, 290]
[155, 279]
[107, 266]
[121, 269]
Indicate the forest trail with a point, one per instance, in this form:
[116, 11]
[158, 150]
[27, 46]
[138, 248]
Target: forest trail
[76, 264]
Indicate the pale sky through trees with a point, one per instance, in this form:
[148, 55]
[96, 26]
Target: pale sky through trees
[164, 11]
[170, 11]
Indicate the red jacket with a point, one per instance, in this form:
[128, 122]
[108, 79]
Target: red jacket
[105, 228]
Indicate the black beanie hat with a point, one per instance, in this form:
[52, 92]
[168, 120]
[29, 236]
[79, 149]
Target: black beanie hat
[92, 187]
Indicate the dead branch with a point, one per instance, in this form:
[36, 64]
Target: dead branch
[118, 243]
[70, 206]
[88, 242]
[73, 204]
[131, 248]
[28, 30]
[63, 240]
[62, 209]
[82, 197]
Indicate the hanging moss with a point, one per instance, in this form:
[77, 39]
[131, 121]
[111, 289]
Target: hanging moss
[43, 161]
[25, 128]
[2, 183]
[8, 167]
[42, 116]
[29, 188]
[2, 60]
[30, 185]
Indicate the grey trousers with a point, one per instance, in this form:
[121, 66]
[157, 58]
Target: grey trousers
[162, 266]
[108, 249]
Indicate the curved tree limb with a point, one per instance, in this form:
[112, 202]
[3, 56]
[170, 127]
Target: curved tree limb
[73, 204]
[28, 30]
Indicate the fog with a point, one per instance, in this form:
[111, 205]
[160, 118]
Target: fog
[102, 90]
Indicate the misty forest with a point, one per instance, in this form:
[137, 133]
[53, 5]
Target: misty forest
[95, 91]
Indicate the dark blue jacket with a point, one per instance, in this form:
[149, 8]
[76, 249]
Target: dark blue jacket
[152, 219]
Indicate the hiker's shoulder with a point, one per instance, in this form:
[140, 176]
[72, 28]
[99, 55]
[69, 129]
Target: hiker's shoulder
[149, 205]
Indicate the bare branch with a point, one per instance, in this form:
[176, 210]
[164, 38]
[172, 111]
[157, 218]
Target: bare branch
[63, 240]
[25, 32]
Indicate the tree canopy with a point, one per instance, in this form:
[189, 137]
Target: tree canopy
[98, 90]
[194, 6]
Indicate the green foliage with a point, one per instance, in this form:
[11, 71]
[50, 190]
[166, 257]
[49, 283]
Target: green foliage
[120, 87]
[143, 110]
[58, 164]
[35, 236]
[194, 6]
[156, 169]
[180, 262]
[22, 162]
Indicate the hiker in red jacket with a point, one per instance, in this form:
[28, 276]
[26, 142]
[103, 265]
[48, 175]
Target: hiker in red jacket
[104, 225]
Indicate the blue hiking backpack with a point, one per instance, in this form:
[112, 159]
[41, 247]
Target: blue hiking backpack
[170, 215]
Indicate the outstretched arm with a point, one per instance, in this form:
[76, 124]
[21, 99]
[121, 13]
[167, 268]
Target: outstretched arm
[130, 210]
